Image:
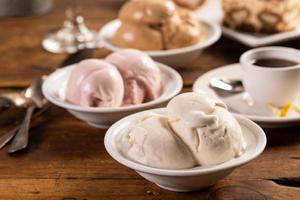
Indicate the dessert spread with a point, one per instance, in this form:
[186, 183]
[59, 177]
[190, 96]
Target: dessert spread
[197, 130]
[126, 77]
[268, 16]
[157, 25]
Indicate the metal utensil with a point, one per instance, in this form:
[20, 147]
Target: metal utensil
[233, 86]
[10, 134]
[35, 98]
[34, 94]
[20, 140]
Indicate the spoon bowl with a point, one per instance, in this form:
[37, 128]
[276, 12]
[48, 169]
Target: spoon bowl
[226, 87]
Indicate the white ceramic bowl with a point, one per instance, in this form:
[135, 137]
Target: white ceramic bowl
[55, 85]
[173, 57]
[186, 179]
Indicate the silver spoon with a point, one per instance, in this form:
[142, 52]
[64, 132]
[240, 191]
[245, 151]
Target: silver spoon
[4, 139]
[35, 99]
[232, 86]
[16, 99]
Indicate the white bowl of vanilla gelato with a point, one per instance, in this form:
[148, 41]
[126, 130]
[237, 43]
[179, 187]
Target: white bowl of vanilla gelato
[185, 147]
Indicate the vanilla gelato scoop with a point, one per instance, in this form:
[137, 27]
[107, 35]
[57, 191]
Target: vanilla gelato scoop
[152, 142]
[197, 131]
[142, 77]
[95, 83]
[203, 123]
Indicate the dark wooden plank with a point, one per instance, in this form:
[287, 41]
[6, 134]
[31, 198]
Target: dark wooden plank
[60, 188]
[252, 189]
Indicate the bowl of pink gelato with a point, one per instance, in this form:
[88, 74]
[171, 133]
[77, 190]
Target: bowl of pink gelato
[102, 91]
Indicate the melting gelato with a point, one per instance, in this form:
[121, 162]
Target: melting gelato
[197, 131]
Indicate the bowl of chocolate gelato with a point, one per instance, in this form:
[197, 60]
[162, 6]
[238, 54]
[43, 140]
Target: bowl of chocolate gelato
[168, 33]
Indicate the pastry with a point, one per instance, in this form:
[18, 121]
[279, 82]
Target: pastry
[266, 16]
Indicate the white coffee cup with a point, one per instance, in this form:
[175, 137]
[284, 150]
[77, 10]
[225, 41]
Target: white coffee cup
[274, 85]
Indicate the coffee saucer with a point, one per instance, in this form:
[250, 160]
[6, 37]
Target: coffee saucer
[241, 104]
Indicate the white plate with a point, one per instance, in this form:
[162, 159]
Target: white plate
[234, 72]
[256, 40]
[212, 11]
[54, 87]
[173, 57]
[184, 180]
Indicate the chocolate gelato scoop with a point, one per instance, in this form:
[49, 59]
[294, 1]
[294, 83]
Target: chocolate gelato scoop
[156, 25]
[150, 12]
[142, 37]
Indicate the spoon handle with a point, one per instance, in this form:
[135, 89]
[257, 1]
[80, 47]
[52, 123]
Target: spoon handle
[8, 136]
[5, 138]
[20, 140]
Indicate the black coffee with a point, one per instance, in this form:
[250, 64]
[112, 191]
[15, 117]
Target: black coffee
[274, 62]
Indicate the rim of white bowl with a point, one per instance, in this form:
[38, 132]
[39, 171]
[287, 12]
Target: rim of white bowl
[154, 102]
[110, 138]
[213, 36]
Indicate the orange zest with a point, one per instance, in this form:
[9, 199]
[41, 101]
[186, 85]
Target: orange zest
[285, 109]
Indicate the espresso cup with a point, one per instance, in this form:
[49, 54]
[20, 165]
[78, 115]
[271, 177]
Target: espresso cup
[273, 85]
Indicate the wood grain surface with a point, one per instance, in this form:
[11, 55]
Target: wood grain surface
[66, 158]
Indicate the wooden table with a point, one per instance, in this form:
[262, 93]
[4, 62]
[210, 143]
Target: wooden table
[66, 158]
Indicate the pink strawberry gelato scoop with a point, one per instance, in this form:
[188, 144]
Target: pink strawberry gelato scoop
[95, 83]
[141, 75]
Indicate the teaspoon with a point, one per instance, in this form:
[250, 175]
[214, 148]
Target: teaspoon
[232, 86]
